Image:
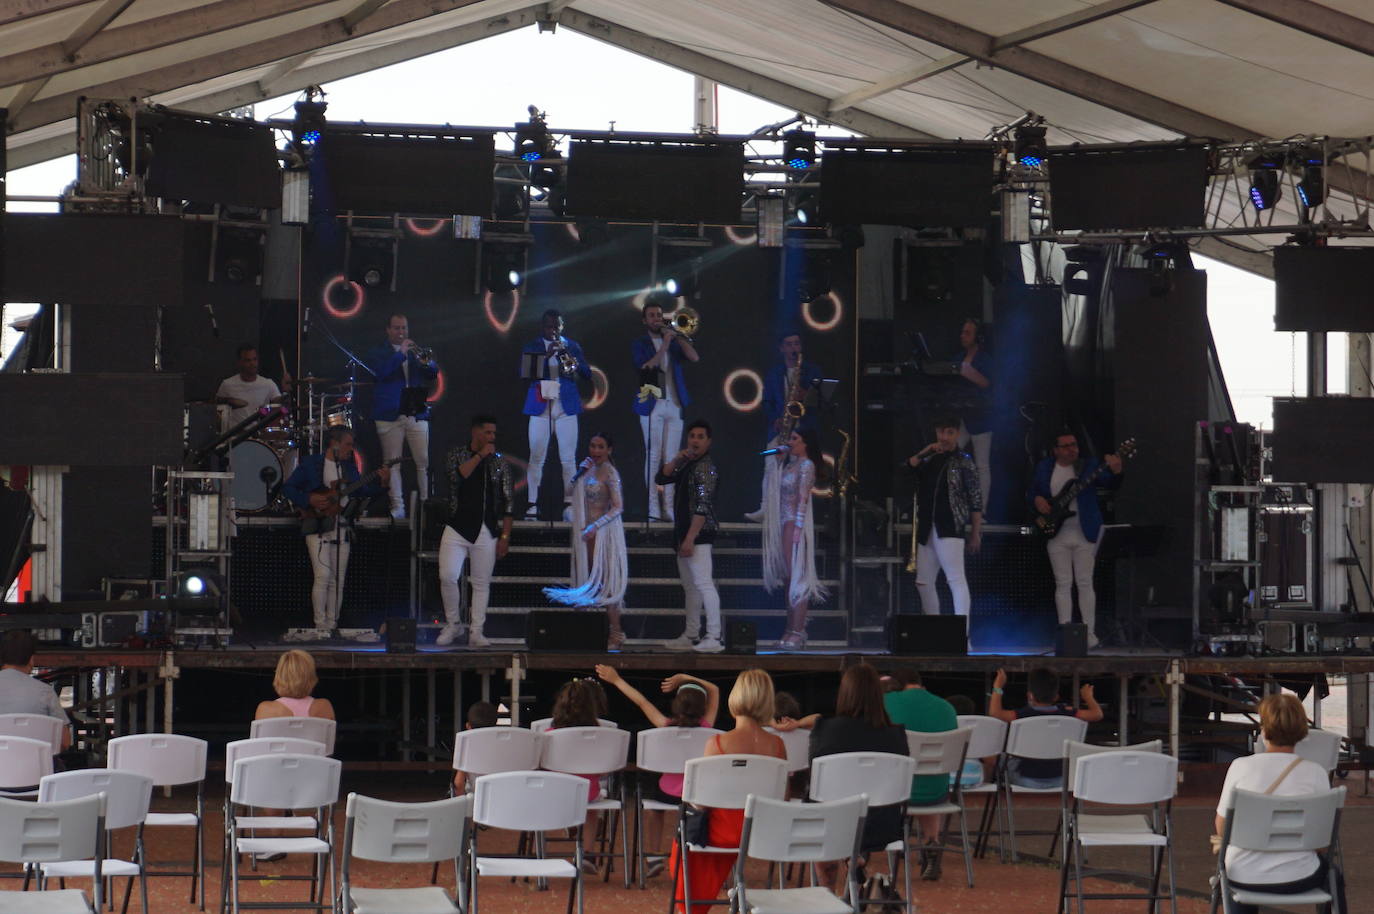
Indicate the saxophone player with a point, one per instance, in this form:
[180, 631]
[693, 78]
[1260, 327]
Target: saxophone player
[789, 401]
[553, 403]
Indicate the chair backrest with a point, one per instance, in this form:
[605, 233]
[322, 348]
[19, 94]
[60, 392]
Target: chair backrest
[287, 781]
[883, 776]
[989, 735]
[248, 748]
[585, 750]
[1125, 777]
[34, 726]
[544, 724]
[490, 750]
[798, 745]
[50, 832]
[726, 781]
[167, 758]
[317, 728]
[23, 762]
[127, 794]
[1320, 746]
[668, 749]
[1043, 737]
[801, 832]
[530, 800]
[1267, 822]
[1074, 750]
[938, 753]
[407, 832]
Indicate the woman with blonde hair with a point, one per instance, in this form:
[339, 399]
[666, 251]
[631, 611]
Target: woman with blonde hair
[751, 705]
[293, 682]
[1278, 770]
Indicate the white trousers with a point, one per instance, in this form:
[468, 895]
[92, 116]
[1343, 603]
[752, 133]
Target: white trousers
[938, 555]
[414, 434]
[565, 429]
[326, 594]
[699, 585]
[1072, 557]
[662, 430]
[454, 551]
[982, 459]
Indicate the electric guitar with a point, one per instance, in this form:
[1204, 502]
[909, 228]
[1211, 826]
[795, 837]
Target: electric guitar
[323, 520]
[1061, 505]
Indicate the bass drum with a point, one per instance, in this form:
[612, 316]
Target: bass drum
[258, 475]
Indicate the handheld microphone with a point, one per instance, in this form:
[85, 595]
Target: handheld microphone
[214, 325]
[773, 450]
[582, 469]
[305, 324]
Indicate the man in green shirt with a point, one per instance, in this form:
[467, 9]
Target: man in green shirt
[915, 708]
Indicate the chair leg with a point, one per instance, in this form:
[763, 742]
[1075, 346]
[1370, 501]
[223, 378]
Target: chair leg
[906, 865]
[1078, 873]
[1064, 879]
[625, 832]
[963, 840]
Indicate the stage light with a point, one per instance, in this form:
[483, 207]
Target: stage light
[807, 209]
[308, 126]
[371, 259]
[193, 585]
[504, 267]
[1312, 186]
[815, 279]
[1266, 180]
[1083, 269]
[799, 148]
[670, 285]
[1028, 144]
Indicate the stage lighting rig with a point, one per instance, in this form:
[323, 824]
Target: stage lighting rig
[1266, 179]
[1310, 163]
[503, 267]
[536, 148]
[1028, 143]
[371, 257]
[1083, 269]
[799, 149]
[308, 126]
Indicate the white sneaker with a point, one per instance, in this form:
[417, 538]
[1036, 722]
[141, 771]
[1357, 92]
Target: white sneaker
[754, 517]
[680, 643]
[708, 645]
[449, 634]
[477, 639]
[398, 513]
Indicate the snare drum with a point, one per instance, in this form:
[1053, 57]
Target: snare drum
[258, 474]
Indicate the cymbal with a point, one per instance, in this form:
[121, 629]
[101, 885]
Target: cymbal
[313, 380]
[347, 384]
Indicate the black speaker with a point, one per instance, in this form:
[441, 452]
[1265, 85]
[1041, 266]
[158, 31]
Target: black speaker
[741, 637]
[567, 630]
[919, 634]
[1071, 640]
[400, 635]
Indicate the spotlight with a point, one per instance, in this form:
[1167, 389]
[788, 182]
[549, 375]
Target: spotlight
[799, 148]
[1312, 186]
[511, 198]
[1083, 269]
[671, 286]
[372, 260]
[1266, 181]
[1028, 144]
[815, 279]
[807, 209]
[193, 585]
[308, 126]
[534, 145]
[504, 267]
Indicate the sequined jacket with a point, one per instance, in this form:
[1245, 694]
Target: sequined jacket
[499, 502]
[965, 494]
[696, 482]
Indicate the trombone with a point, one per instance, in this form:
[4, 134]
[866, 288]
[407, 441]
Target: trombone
[686, 322]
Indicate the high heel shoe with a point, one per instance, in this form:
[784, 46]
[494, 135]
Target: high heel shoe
[615, 640]
[792, 641]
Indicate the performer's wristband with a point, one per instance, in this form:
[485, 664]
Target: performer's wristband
[997, 691]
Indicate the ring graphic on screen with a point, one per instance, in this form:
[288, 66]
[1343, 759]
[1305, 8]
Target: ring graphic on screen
[327, 297]
[498, 325]
[601, 386]
[417, 227]
[749, 376]
[836, 315]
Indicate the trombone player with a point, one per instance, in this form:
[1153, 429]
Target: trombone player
[662, 394]
[552, 364]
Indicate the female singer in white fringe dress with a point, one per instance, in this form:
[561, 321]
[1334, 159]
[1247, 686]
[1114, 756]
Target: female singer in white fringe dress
[600, 565]
[789, 533]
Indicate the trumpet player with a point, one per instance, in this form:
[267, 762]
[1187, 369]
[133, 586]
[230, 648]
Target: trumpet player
[399, 407]
[662, 394]
[553, 404]
[949, 516]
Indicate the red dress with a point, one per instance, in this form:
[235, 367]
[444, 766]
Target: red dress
[707, 872]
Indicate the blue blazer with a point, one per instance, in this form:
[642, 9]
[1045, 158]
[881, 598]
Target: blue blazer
[309, 476]
[567, 387]
[642, 350]
[386, 363]
[1089, 510]
[775, 392]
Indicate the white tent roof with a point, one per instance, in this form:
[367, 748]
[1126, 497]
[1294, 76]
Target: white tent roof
[1104, 71]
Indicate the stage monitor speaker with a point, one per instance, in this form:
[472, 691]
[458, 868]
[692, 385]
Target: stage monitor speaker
[910, 634]
[1071, 640]
[1128, 188]
[400, 635]
[567, 630]
[741, 637]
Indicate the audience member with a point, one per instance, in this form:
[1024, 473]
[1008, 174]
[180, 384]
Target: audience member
[1276, 770]
[751, 704]
[294, 682]
[20, 693]
[578, 704]
[919, 710]
[1042, 700]
[785, 705]
[480, 714]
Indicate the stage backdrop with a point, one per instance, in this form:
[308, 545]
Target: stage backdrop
[746, 295]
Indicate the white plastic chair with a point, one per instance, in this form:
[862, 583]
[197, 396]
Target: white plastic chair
[285, 781]
[398, 833]
[724, 782]
[1087, 823]
[596, 751]
[988, 740]
[1320, 746]
[543, 724]
[806, 833]
[317, 728]
[1040, 738]
[44, 833]
[127, 796]
[34, 726]
[491, 750]
[798, 746]
[885, 779]
[1265, 822]
[942, 754]
[534, 801]
[663, 750]
[1123, 777]
[23, 763]
[171, 761]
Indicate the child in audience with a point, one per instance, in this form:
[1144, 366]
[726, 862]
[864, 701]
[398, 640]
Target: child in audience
[577, 705]
[786, 707]
[1042, 700]
[480, 714]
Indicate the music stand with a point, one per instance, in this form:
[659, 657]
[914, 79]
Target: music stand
[1129, 542]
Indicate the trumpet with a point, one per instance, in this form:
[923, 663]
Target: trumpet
[686, 322]
[567, 362]
[423, 353]
[911, 557]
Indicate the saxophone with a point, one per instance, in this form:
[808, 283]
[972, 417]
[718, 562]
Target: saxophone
[794, 408]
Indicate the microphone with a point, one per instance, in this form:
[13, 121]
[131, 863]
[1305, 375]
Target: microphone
[773, 450]
[582, 469]
[214, 325]
[305, 325]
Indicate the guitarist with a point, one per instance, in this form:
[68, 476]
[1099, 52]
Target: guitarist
[1073, 549]
[328, 547]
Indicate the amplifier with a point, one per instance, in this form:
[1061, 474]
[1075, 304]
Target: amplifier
[112, 628]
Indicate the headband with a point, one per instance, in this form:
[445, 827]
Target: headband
[692, 685]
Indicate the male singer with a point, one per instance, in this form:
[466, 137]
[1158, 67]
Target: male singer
[399, 404]
[553, 404]
[658, 356]
[694, 531]
[949, 516]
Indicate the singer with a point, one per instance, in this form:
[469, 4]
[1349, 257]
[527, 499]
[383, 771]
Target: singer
[247, 392]
[479, 485]
[694, 531]
[950, 508]
[789, 532]
[600, 563]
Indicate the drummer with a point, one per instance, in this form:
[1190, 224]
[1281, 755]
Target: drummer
[246, 392]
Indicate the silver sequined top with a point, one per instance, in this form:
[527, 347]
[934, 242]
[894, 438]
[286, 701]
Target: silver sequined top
[795, 481]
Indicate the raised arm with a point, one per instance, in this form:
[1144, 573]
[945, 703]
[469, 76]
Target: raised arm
[611, 675]
[675, 681]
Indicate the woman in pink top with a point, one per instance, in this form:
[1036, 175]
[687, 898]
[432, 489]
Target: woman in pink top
[295, 679]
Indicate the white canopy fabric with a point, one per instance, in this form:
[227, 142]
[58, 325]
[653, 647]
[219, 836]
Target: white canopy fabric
[1097, 70]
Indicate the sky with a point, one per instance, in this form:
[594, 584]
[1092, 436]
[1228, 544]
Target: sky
[587, 85]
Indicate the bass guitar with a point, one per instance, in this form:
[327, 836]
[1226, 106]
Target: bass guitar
[1061, 505]
[323, 519]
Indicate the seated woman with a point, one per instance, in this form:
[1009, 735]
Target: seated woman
[1276, 770]
[293, 682]
[751, 705]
